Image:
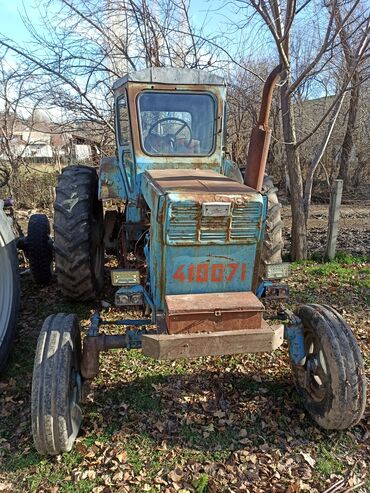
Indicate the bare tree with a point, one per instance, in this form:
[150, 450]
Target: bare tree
[18, 102]
[356, 61]
[87, 45]
[302, 64]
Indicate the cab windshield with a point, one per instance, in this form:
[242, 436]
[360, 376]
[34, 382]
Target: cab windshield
[177, 123]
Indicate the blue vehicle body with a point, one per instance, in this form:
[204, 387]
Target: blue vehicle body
[186, 253]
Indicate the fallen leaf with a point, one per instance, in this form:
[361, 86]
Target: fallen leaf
[175, 475]
[122, 456]
[310, 460]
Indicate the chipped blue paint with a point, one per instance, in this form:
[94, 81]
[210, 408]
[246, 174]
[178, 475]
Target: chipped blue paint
[181, 238]
[111, 180]
[294, 334]
[174, 260]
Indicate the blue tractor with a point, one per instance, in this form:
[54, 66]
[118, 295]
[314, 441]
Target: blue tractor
[192, 241]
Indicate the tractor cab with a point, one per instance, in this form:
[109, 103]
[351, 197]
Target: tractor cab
[165, 118]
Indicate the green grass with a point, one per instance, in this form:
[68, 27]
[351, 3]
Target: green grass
[343, 270]
[200, 484]
[327, 463]
[367, 483]
[208, 439]
[20, 363]
[82, 486]
[342, 273]
[82, 310]
[46, 473]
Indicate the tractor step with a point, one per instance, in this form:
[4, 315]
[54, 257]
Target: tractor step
[163, 346]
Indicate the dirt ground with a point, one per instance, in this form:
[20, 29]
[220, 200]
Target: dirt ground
[354, 228]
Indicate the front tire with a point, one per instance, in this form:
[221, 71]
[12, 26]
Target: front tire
[78, 227]
[56, 385]
[331, 378]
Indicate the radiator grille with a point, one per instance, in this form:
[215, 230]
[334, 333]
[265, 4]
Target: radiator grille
[187, 225]
[246, 220]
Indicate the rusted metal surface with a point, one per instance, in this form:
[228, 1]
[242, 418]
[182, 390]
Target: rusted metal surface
[266, 338]
[194, 252]
[268, 90]
[261, 134]
[92, 346]
[213, 312]
[196, 181]
[277, 292]
[111, 181]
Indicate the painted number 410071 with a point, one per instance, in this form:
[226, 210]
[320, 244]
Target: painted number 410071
[210, 272]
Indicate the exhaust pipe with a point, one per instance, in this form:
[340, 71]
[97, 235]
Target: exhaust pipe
[261, 134]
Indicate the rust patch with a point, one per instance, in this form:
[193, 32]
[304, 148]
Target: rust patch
[213, 312]
[212, 161]
[261, 134]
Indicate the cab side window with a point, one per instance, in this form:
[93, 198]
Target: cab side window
[123, 123]
[124, 141]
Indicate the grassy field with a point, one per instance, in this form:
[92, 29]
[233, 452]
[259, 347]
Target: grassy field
[222, 424]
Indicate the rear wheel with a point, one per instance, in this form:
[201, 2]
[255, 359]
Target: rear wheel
[273, 240]
[9, 287]
[331, 378]
[78, 228]
[56, 385]
[39, 249]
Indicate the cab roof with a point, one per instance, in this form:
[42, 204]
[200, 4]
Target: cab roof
[171, 75]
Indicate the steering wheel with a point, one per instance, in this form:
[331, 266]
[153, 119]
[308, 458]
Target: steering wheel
[169, 139]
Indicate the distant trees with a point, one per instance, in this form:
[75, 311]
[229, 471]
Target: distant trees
[307, 60]
[18, 102]
[84, 46]
[354, 42]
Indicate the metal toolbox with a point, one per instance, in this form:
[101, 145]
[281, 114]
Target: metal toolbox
[213, 312]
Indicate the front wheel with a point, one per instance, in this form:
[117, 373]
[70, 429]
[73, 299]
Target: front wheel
[331, 378]
[56, 385]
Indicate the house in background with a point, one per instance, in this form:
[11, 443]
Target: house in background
[44, 142]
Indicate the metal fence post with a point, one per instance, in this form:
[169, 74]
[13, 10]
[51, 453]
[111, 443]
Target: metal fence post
[334, 216]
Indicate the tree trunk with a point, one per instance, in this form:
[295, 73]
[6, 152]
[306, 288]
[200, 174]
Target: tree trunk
[348, 144]
[316, 158]
[299, 232]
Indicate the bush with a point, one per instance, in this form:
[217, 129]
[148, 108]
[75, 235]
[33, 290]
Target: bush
[32, 189]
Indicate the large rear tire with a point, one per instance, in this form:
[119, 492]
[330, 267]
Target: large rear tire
[273, 240]
[56, 385]
[9, 287]
[331, 378]
[78, 228]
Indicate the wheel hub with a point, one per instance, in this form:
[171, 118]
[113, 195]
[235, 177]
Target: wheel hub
[314, 367]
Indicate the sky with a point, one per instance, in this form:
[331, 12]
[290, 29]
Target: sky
[10, 22]
[202, 11]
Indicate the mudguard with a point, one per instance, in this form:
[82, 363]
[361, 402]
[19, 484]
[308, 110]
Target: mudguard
[111, 181]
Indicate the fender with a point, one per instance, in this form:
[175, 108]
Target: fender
[111, 182]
